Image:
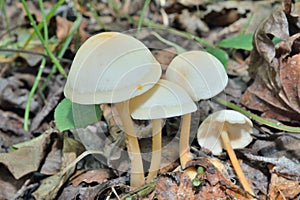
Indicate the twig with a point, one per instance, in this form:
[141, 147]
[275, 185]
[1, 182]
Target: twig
[23, 189]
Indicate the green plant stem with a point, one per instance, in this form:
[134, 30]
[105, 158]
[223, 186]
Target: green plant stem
[40, 25]
[258, 119]
[40, 72]
[91, 7]
[32, 92]
[140, 23]
[7, 25]
[178, 48]
[152, 24]
[38, 33]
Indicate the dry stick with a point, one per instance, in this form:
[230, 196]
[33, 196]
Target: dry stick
[235, 163]
[137, 171]
[184, 149]
[156, 150]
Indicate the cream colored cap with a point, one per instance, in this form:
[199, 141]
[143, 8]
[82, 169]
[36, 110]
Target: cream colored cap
[199, 73]
[237, 125]
[165, 99]
[111, 67]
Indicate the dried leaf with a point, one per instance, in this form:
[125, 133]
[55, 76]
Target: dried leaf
[275, 90]
[52, 184]
[8, 185]
[90, 176]
[176, 186]
[53, 160]
[93, 138]
[281, 188]
[13, 94]
[283, 166]
[27, 159]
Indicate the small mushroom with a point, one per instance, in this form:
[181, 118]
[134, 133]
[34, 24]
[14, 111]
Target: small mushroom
[234, 129]
[164, 100]
[113, 67]
[202, 76]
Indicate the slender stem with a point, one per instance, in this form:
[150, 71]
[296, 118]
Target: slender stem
[156, 149]
[137, 171]
[140, 23]
[184, 146]
[235, 163]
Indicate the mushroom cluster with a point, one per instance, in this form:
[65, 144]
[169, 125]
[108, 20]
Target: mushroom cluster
[113, 67]
[164, 100]
[203, 76]
[116, 68]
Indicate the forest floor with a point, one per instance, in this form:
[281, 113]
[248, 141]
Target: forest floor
[44, 154]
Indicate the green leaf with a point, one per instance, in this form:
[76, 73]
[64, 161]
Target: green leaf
[196, 182]
[69, 115]
[200, 170]
[220, 54]
[276, 40]
[243, 41]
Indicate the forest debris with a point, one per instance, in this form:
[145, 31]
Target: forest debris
[52, 162]
[275, 91]
[11, 123]
[54, 91]
[52, 184]
[174, 186]
[63, 28]
[94, 138]
[13, 94]
[283, 188]
[94, 175]
[213, 183]
[192, 22]
[28, 158]
[8, 184]
[282, 165]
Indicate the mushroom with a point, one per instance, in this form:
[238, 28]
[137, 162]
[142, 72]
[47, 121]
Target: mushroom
[113, 67]
[166, 99]
[234, 129]
[202, 76]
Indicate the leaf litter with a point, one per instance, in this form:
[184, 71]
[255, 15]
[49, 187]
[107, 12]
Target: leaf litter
[274, 92]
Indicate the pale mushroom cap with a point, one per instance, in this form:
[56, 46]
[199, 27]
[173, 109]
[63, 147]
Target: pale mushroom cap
[201, 74]
[237, 125]
[165, 99]
[111, 67]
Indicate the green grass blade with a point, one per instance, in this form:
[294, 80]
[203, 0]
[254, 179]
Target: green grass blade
[32, 92]
[38, 33]
[140, 23]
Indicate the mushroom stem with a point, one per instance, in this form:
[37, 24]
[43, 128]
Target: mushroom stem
[137, 170]
[184, 149]
[156, 149]
[235, 163]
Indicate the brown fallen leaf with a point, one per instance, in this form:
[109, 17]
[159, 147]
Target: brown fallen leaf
[64, 26]
[275, 70]
[174, 186]
[8, 185]
[52, 184]
[281, 188]
[94, 175]
[28, 158]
